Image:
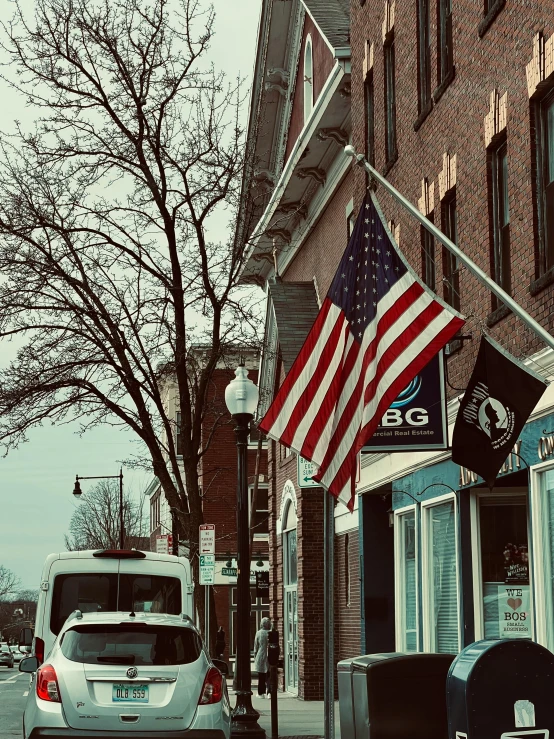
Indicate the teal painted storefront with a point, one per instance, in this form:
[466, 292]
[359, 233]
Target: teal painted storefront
[416, 493]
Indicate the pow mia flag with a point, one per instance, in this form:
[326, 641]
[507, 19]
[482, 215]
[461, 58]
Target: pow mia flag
[496, 405]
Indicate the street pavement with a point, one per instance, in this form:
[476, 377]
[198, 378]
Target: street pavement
[297, 718]
[14, 686]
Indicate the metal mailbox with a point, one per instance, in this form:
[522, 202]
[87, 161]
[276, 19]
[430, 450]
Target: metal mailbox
[501, 689]
[394, 695]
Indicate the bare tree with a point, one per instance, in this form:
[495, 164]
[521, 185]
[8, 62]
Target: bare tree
[109, 277]
[9, 583]
[95, 522]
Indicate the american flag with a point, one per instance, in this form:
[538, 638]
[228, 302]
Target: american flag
[377, 328]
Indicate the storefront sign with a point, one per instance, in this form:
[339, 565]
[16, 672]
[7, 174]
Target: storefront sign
[545, 447]
[514, 620]
[417, 419]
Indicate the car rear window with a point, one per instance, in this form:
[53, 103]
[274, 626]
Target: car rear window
[5, 649]
[101, 592]
[131, 645]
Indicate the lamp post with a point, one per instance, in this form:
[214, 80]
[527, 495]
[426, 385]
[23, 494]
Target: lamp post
[241, 398]
[77, 492]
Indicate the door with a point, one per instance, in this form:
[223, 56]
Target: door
[505, 606]
[291, 642]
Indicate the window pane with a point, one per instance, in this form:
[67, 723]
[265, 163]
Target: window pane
[369, 122]
[390, 102]
[504, 566]
[409, 582]
[149, 594]
[142, 645]
[443, 596]
[90, 593]
[291, 571]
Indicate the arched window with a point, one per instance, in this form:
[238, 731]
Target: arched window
[308, 79]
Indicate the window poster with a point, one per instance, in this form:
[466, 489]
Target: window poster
[514, 611]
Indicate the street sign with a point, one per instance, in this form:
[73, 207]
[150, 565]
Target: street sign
[207, 569]
[306, 470]
[207, 538]
[164, 544]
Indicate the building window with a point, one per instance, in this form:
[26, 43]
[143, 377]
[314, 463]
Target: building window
[500, 219]
[450, 267]
[369, 104]
[440, 579]
[347, 570]
[155, 502]
[390, 99]
[178, 438]
[258, 610]
[308, 79]
[542, 490]
[428, 256]
[407, 582]
[424, 54]
[544, 123]
[445, 54]
[261, 519]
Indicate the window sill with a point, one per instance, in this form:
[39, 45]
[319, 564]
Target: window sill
[439, 91]
[488, 20]
[542, 282]
[423, 115]
[497, 315]
[390, 164]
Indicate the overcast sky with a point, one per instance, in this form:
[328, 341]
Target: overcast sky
[36, 480]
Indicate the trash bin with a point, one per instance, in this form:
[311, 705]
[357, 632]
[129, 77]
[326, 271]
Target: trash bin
[395, 695]
[501, 689]
[346, 704]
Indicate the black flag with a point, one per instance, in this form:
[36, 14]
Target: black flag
[499, 399]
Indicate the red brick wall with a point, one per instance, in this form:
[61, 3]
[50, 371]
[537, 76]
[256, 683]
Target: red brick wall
[456, 124]
[321, 253]
[323, 62]
[218, 474]
[347, 610]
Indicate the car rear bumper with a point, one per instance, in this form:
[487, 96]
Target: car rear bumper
[84, 734]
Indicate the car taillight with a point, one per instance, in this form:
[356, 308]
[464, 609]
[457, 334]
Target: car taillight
[212, 690]
[38, 649]
[47, 684]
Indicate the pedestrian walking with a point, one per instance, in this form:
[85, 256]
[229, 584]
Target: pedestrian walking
[261, 664]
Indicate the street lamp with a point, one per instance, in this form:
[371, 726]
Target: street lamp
[77, 492]
[241, 398]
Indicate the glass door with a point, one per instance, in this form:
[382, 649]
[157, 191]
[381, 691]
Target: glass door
[291, 646]
[504, 563]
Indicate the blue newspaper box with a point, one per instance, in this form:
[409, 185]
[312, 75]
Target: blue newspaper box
[501, 689]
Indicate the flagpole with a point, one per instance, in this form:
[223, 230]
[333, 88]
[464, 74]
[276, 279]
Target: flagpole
[328, 616]
[541, 332]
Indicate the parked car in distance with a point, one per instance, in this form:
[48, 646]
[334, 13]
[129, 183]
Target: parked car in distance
[121, 673]
[18, 654]
[6, 656]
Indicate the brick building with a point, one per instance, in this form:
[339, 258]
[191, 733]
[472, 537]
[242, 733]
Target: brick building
[454, 104]
[218, 476]
[299, 196]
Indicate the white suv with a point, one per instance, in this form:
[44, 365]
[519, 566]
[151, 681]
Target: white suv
[125, 675]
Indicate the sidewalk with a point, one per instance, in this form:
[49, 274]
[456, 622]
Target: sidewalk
[297, 718]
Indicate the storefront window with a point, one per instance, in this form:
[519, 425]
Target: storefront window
[407, 582]
[545, 569]
[505, 566]
[442, 587]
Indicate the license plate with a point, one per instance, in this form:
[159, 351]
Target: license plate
[130, 693]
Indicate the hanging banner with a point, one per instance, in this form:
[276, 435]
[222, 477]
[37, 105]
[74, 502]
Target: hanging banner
[417, 420]
[262, 585]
